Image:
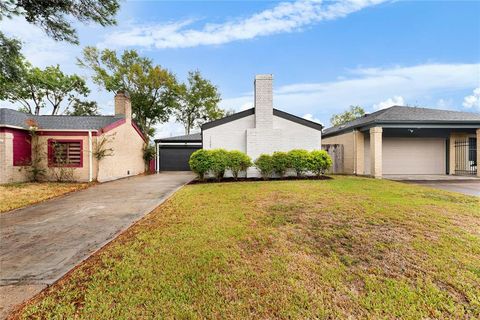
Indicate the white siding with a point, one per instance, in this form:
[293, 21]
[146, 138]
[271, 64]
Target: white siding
[414, 156]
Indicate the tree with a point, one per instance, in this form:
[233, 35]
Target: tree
[151, 88]
[36, 89]
[11, 61]
[197, 102]
[349, 115]
[83, 108]
[54, 16]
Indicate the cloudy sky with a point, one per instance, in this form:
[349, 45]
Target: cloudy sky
[325, 55]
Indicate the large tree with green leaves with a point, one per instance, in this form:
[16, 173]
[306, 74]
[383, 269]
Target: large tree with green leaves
[55, 16]
[351, 114]
[11, 62]
[151, 88]
[38, 89]
[197, 102]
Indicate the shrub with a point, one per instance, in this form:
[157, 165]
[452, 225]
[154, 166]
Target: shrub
[219, 162]
[299, 160]
[280, 162]
[200, 162]
[238, 161]
[320, 162]
[264, 164]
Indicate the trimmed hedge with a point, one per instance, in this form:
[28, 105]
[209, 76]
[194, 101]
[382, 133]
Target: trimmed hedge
[217, 161]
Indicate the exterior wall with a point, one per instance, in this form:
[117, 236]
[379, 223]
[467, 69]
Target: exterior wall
[8, 172]
[347, 140]
[230, 136]
[127, 158]
[79, 173]
[243, 136]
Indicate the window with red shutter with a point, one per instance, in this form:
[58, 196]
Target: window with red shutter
[65, 153]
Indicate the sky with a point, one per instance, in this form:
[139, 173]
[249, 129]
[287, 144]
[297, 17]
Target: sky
[324, 55]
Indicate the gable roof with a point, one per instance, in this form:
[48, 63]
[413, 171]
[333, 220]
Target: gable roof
[194, 137]
[406, 115]
[14, 118]
[251, 111]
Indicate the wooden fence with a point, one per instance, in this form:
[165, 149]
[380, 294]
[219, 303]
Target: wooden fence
[336, 153]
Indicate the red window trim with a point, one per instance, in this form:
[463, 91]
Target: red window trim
[50, 153]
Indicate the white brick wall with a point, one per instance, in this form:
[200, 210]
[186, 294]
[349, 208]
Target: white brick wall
[264, 101]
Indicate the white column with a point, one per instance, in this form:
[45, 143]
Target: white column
[376, 152]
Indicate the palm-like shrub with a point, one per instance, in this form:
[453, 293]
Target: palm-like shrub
[264, 164]
[280, 162]
[219, 162]
[319, 162]
[238, 161]
[299, 161]
[201, 162]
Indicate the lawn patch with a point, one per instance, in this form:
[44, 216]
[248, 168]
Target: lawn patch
[342, 248]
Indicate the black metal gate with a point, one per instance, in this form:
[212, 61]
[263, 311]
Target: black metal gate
[466, 156]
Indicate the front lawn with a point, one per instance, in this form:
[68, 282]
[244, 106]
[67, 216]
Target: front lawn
[17, 195]
[345, 248]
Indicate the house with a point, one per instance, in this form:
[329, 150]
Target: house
[261, 129]
[69, 143]
[409, 141]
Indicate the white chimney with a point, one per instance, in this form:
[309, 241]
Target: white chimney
[263, 101]
[123, 106]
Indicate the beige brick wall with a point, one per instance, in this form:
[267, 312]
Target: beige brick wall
[347, 140]
[127, 160]
[8, 172]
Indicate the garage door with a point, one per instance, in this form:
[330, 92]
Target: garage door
[175, 158]
[414, 156]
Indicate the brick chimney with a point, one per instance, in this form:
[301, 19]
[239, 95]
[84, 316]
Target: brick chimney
[123, 107]
[263, 101]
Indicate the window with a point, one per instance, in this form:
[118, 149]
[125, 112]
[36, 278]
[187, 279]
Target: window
[472, 149]
[65, 153]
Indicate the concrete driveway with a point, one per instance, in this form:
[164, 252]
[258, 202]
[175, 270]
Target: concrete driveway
[469, 185]
[39, 244]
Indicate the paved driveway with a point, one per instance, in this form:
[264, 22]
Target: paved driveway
[469, 187]
[39, 244]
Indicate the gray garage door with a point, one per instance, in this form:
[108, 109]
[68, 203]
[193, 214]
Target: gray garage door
[175, 158]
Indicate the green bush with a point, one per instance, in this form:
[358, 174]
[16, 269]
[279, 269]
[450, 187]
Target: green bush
[219, 162]
[280, 162]
[320, 162]
[264, 164]
[238, 161]
[201, 162]
[299, 161]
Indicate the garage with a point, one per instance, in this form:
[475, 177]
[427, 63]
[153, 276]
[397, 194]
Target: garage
[414, 156]
[173, 153]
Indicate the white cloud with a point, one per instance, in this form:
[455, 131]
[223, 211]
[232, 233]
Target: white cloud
[390, 102]
[366, 87]
[283, 18]
[310, 117]
[472, 101]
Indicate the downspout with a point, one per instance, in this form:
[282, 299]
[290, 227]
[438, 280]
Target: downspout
[90, 157]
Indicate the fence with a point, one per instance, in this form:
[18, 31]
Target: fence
[336, 153]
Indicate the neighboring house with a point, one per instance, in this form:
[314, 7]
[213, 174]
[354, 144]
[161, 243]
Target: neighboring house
[258, 130]
[409, 141]
[68, 141]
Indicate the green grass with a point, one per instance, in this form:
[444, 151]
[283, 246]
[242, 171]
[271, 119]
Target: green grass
[348, 248]
[18, 195]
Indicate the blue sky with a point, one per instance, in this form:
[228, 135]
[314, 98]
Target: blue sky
[324, 56]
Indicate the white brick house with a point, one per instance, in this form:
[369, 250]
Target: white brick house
[258, 130]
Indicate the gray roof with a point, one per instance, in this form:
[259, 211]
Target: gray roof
[276, 112]
[9, 117]
[407, 115]
[194, 137]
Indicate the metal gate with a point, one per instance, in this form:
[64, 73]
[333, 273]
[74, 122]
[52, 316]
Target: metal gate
[466, 156]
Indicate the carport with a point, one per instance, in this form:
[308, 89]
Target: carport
[173, 153]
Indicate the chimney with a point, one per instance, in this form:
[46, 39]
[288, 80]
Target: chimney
[263, 101]
[123, 107]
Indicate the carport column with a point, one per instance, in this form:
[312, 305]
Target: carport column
[451, 155]
[478, 152]
[376, 152]
[359, 152]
